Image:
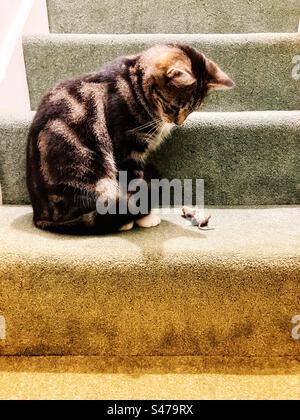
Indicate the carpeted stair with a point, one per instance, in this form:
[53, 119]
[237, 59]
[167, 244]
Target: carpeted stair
[174, 290]
[165, 16]
[260, 64]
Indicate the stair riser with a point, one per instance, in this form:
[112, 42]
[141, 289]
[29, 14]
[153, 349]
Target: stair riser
[244, 159]
[164, 16]
[202, 311]
[13, 140]
[261, 65]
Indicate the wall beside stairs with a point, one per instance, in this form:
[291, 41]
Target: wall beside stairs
[17, 18]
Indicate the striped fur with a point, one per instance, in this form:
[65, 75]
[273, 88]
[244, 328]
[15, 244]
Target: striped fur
[88, 129]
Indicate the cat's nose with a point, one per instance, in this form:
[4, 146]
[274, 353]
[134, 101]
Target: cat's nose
[181, 118]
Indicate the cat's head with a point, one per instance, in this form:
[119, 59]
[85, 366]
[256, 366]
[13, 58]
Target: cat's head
[177, 79]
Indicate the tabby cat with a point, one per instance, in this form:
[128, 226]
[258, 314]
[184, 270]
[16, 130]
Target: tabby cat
[89, 129]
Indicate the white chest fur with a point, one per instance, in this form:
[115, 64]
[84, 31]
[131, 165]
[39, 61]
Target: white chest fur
[154, 143]
[161, 136]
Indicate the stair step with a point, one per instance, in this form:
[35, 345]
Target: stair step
[13, 140]
[244, 158]
[173, 290]
[164, 16]
[260, 64]
[148, 378]
[248, 158]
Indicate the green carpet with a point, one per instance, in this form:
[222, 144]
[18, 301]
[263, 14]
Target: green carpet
[171, 312]
[244, 158]
[172, 290]
[260, 64]
[165, 16]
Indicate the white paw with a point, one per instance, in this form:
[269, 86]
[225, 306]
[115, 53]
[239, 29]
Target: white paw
[149, 221]
[126, 228]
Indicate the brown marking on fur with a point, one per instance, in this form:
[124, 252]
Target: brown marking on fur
[163, 62]
[56, 214]
[134, 81]
[124, 89]
[43, 224]
[45, 214]
[55, 198]
[183, 114]
[43, 148]
[161, 59]
[181, 76]
[77, 185]
[98, 93]
[139, 174]
[89, 218]
[77, 111]
[138, 156]
[126, 94]
[62, 128]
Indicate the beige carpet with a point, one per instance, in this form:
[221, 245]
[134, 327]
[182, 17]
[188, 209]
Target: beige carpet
[172, 290]
[149, 378]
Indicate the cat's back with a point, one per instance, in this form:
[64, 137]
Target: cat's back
[72, 100]
[67, 101]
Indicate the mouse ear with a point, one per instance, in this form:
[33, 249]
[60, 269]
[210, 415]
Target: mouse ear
[180, 78]
[217, 79]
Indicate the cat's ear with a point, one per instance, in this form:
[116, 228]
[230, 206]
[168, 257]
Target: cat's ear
[180, 78]
[217, 79]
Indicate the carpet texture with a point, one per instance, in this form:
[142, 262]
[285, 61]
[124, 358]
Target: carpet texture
[244, 158]
[260, 64]
[149, 378]
[173, 290]
[172, 312]
[164, 16]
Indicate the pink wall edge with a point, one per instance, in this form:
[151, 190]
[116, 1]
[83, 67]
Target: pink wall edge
[14, 95]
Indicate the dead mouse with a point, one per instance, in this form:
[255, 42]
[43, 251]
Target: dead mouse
[195, 218]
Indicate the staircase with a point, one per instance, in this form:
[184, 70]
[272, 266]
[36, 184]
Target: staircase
[172, 291]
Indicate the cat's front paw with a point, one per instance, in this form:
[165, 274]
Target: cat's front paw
[126, 228]
[151, 220]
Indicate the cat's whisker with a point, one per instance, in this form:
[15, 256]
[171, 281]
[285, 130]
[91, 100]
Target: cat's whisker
[155, 128]
[140, 127]
[144, 126]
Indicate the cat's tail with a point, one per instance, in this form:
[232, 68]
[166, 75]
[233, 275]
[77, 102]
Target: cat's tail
[86, 224]
[82, 225]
